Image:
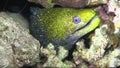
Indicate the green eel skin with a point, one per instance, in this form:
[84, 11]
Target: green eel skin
[62, 26]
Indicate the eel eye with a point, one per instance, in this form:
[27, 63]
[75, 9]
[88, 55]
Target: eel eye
[76, 20]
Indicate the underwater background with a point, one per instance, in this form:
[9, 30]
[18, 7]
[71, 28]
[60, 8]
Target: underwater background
[59, 33]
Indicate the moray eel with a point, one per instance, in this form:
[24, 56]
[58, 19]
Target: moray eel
[62, 26]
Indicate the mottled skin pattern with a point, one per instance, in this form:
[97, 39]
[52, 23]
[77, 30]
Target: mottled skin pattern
[56, 25]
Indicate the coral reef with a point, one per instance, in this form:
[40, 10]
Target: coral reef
[103, 51]
[17, 46]
[54, 60]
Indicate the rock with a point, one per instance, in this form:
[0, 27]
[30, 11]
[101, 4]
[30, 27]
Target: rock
[71, 3]
[96, 2]
[17, 46]
[54, 60]
[114, 6]
[103, 51]
[63, 53]
[68, 3]
[110, 60]
[20, 19]
[44, 3]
